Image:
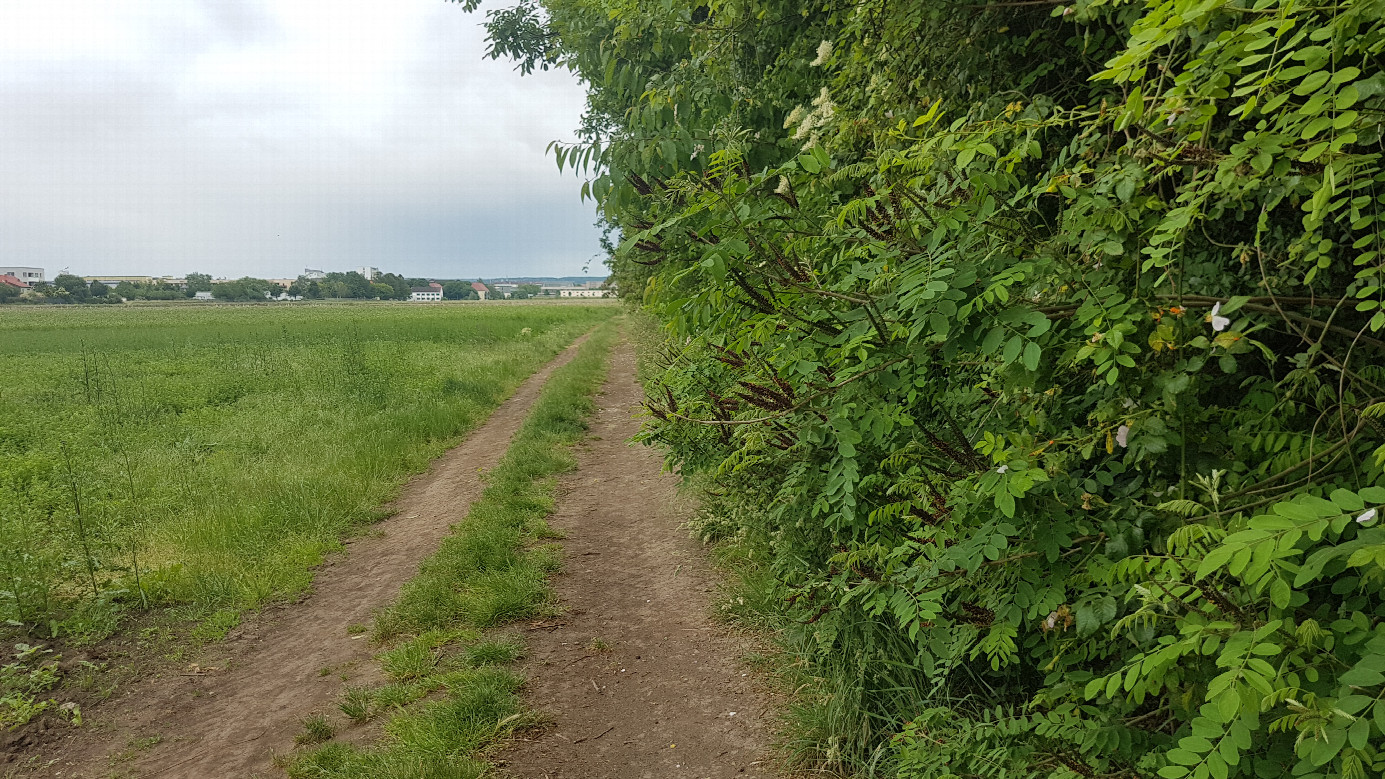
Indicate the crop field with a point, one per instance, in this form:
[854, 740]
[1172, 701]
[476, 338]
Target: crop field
[208, 457]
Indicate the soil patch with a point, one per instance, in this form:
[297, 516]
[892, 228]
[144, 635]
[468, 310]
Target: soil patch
[228, 715]
[639, 681]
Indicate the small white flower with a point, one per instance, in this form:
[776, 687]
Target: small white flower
[1002, 469]
[783, 188]
[1122, 435]
[1367, 517]
[1219, 323]
[824, 53]
[1068, 11]
[696, 151]
[795, 116]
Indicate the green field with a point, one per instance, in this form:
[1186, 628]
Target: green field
[210, 456]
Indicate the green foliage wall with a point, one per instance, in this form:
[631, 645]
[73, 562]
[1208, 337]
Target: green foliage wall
[1036, 345]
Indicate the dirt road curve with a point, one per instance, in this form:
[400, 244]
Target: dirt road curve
[667, 699]
[230, 722]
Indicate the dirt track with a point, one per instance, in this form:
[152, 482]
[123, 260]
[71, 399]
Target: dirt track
[668, 697]
[231, 721]
[639, 682]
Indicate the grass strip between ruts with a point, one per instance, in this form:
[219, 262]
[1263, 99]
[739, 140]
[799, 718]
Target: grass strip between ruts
[448, 694]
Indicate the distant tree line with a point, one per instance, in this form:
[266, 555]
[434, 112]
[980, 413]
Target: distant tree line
[67, 288]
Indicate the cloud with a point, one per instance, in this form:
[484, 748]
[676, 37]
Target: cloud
[240, 137]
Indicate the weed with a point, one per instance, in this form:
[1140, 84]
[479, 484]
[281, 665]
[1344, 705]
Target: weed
[133, 747]
[355, 704]
[216, 626]
[356, 629]
[397, 696]
[413, 660]
[316, 729]
[495, 651]
[599, 645]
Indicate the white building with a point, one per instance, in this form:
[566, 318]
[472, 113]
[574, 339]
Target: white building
[27, 275]
[431, 292]
[580, 292]
[369, 273]
[313, 274]
[202, 296]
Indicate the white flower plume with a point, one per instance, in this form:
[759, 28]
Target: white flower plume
[824, 53]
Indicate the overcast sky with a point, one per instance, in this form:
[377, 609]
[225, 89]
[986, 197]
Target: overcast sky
[260, 137]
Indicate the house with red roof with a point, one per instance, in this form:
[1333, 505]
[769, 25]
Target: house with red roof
[480, 288]
[13, 281]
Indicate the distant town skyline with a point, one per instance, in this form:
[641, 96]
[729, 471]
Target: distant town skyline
[162, 137]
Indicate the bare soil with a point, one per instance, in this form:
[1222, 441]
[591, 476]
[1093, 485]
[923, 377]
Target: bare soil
[228, 715]
[639, 682]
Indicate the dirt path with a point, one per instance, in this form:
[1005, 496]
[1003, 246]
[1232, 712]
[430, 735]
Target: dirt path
[231, 720]
[668, 698]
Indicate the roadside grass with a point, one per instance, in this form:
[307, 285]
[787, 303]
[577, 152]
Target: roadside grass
[180, 465]
[449, 696]
[209, 457]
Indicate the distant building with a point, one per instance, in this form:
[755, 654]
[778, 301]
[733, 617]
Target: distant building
[202, 296]
[13, 281]
[312, 274]
[29, 276]
[111, 281]
[369, 273]
[480, 289]
[580, 292]
[504, 288]
[431, 292]
[284, 283]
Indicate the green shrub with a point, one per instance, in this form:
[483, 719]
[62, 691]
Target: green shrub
[1036, 346]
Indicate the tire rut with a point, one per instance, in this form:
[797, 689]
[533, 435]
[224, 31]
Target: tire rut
[639, 681]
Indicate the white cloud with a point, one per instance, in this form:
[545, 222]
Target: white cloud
[239, 137]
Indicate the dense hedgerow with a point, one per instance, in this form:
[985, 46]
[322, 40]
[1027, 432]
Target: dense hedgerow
[1034, 346]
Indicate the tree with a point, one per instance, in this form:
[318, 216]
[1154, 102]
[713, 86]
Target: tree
[198, 282]
[458, 290]
[98, 290]
[245, 289]
[398, 284]
[383, 291]
[70, 284]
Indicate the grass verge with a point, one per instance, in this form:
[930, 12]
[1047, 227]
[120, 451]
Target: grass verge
[449, 695]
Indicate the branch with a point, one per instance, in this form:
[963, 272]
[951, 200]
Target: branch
[795, 407]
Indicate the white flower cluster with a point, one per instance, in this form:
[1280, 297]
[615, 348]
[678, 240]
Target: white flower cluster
[810, 123]
[824, 54]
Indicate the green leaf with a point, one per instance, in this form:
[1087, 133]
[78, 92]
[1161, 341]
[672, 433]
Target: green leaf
[1031, 356]
[1347, 500]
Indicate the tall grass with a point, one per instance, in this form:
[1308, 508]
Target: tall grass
[217, 453]
[489, 571]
